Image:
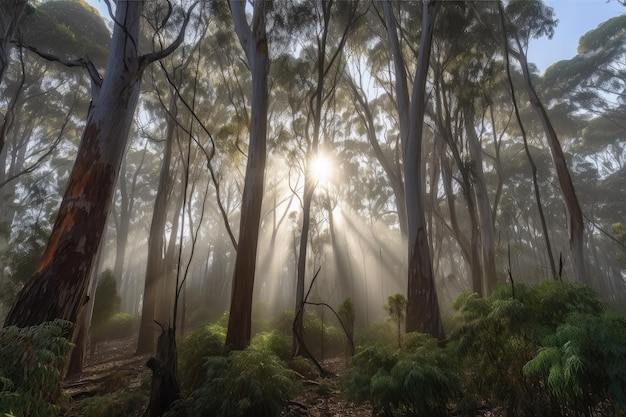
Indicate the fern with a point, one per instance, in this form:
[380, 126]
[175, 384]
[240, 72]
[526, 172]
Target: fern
[251, 383]
[417, 380]
[192, 351]
[32, 360]
[584, 362]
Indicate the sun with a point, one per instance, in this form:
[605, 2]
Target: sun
[321, 169]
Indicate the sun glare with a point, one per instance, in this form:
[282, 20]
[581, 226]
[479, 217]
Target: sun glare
[322, 169]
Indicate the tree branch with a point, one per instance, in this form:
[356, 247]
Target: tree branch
[155, 56]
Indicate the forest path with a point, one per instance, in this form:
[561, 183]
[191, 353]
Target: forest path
[113, 367]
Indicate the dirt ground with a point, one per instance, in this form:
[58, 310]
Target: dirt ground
[114, 367]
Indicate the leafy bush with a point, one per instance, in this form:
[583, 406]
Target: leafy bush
[32, 360]
[500, 334]
[347, 314]
[119, 326]
[251, 383]
[378, 332]
[584, 364]
[396, 308]
[417, 380]
[275, 342]
[106, 304]
[120, 404]
[192, 350]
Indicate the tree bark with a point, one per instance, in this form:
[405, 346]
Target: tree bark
[481, 197]
[154, 266]
[576, 226]
[253, 40]
[58, 288]
[423, 309]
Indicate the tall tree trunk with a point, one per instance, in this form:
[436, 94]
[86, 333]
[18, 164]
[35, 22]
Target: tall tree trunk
[423, 309]
[58, 288]
[81, 332]
[481, 197]
[531, 161]
[154, 266]
[123, 221]
[253, 40]
[576, 227]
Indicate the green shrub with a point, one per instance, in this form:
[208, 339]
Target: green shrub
[500, 334]
[120, 404]
[119, 326]
[32, 360]
[206, 341]
[378, 332]
[417, 380]
[250, 383]
[396, 308]
[106, 303]
[275, 342]
[584, 364]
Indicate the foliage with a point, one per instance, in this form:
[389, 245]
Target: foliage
[119, 326]
[321, 338]
[584, 363]
[192, 351]
[106, 304]
[416, 380]
[19, 261]
[120, 404]
[275, 342]
[32, 360]
[68, 29]
[378, 332]
[396, 307]
[500, 334]
[347, 314]
[252, 383]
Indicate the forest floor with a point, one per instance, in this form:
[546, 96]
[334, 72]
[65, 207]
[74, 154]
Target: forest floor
[115, 368]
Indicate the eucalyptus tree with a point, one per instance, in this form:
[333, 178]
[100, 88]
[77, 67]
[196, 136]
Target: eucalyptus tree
[158, 266]
[129, 189]
[588, 90]
[523, 20]
[330, 38]
[386, 155]
[254, 42]
[58, 288]
[423, 313]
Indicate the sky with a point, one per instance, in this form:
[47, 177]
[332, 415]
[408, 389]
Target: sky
[576, 17]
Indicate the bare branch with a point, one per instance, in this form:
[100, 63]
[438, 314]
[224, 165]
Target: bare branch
[155, 56]
[96, 79]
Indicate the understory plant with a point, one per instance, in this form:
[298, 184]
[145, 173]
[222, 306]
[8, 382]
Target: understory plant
[583, 364]
[117, 404]
[250, 383]
[416, 380]
[32, 360]
[528, 349]
[207, 340]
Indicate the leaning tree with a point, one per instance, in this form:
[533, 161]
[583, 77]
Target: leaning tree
[58, 287]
